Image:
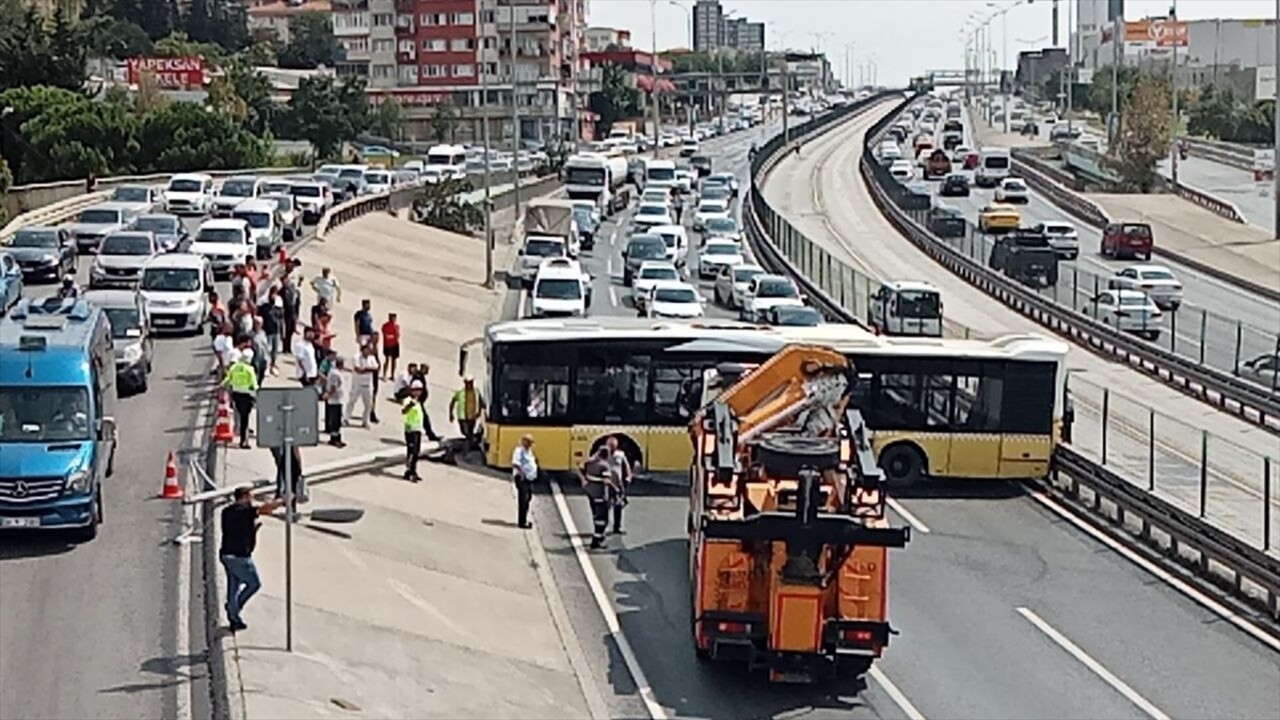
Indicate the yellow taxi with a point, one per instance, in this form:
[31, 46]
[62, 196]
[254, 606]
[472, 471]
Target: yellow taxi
[998, 218]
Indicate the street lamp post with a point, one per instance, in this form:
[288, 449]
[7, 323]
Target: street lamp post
[653, 71]
[1173, 84]
[515, 109]
[1275, 180]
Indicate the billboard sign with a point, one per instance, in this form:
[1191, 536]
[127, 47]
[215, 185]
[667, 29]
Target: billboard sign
[179, 72]
[1157, 33]
[1264, 83]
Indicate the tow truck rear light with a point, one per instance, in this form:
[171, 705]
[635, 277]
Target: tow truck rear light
[858, 636]
[734, 628]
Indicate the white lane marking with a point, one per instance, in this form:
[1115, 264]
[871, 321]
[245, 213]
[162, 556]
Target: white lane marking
[613, 296]
[609, 266]
[613, 236]
[1094, 666]
[898, 697]
[651, 704]
[1160, 573]
[907, 515]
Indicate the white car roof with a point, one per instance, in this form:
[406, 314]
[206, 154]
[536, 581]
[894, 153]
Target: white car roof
[910, 286]
[564, 267]
[1128, 293]
[255, 204]
[1013, 181]
[1149, 268]
[673, 285]
[223, 223]
[721, 242]
[654, 264]
[668, 230]
[177, 260]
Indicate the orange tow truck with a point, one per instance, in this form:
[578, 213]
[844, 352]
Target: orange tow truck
[788, 539]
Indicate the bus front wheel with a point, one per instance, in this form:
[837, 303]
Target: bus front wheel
[903, 465]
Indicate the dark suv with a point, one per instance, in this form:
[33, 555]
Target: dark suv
[954, 185]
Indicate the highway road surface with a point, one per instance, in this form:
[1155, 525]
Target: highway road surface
[92, 631]
[1231, 184]
[821, 194]
[1006, 610]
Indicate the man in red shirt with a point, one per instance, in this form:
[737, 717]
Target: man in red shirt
[390, 346]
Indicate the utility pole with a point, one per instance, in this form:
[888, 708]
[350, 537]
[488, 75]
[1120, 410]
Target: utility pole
[515, 112]
[1173, 83]
[653, 68]
[488, 160]
[1275, 176]
[1117, 54]
[1071, 66]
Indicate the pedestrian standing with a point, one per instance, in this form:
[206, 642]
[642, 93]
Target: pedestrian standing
[243, 383]
[390, 345]
[239, 538]
[324, 331]
[466, 409]
[261, 347]
[400, 389]
[272, 313]
[304, 356]
[327, 287]
[619, 481]
[595, 482]
[291, 299]
[364, 372]
[363, 323]
[524, 472]
[223, 345]
[421, 376]
[333, 396]
[299, 481]
[413, 413]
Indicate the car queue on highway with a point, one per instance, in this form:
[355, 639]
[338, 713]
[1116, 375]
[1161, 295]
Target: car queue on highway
[1108, 275]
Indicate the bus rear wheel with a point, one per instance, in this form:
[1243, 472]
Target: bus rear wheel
[903, 465]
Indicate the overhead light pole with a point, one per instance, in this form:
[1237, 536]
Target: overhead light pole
[515, 110]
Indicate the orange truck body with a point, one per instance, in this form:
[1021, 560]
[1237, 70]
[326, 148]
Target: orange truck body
[788, 550]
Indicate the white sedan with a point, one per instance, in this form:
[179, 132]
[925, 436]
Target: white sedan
[716, 254]
[1062, 236]
[650, 272]
[708, 209]
[1155, 280]
[1128, 311]
[650, 214]
[732, 282]
[902, 169]
[1012, 190]
[674, 299]
[768, 291]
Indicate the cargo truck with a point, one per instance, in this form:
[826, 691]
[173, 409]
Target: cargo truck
[599, 178]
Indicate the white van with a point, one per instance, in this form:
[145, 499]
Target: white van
[994, 164]
[677, 240]
[263, 219]
[224, 242]
[175, 288]
[906, 308]
[560, 289]
[659, 174]
[188, 193]
[234, 191]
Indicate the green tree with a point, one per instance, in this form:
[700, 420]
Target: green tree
[320, 114]
[436, 204]
[184, 135]
[388, 119]
[114, 38]
[23, 105]
[1145, 134]
[311, 42]
[33, 53]
[615, 100]
[72, 140]
[178, 44]
[442, 123]
[218, 22]
[1098, 99]
[254, 90]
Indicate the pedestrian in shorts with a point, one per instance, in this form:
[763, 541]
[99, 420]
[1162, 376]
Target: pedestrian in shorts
[390, 346]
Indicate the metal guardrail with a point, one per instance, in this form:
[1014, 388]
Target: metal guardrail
[54, 214]
[1232, 154]
[1231, 564]
[25, 198]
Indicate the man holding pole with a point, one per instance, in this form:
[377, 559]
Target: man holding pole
[239, 538]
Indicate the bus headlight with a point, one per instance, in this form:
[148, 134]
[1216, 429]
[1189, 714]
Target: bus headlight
[78, 482]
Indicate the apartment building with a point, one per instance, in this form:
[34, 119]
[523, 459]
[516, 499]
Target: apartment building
[275, 16]
[529, 50]
[599, 39]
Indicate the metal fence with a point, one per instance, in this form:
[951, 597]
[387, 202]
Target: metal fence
[1212, 340]
[1221, 483]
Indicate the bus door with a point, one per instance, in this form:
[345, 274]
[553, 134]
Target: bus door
[612, 399]
[976, 443]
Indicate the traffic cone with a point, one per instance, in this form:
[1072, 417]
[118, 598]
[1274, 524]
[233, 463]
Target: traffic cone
[171, 490]
[222, 432]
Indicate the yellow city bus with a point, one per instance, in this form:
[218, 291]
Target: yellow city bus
[980, 409]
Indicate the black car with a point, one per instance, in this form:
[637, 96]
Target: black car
[946, 221]
[954, 185]
[641, 248]
[793, 316]
[701, 164]
[1025, 256]
[915, 196]
[43, 252]
[587, 226]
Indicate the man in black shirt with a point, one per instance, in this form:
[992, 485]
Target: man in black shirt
[239, 537]
[364, 322]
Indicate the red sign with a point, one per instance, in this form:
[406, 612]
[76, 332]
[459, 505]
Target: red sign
[182, 72]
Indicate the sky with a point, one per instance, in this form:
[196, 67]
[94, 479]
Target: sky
[902, 38]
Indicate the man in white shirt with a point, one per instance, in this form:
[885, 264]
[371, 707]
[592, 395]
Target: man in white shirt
[327, 287]
[524, 471]
[304, 355]
[400, 389]
[223, 345]
[364, 371]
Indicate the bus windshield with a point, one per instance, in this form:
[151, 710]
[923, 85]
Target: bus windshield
[43, 414]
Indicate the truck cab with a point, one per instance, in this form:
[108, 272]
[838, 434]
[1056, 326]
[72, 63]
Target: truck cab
[1026, 256]
[906, 308]
[57, 416]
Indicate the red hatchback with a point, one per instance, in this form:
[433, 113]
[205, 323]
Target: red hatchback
[1127, 240]
[971, 160]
